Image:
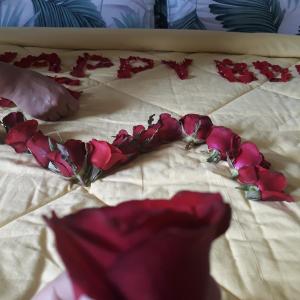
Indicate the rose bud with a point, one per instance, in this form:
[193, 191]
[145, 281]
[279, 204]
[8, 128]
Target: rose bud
[222, 143]
[262, 184]
[39, 147]
[18, 135]
[195, 129]
[155, 248]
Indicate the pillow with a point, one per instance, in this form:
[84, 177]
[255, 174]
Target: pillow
[274, 16]
[77, 13]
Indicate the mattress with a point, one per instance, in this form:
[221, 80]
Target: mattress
[258, 258]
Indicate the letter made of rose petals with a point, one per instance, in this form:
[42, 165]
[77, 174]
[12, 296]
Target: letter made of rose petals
[51, 60]
[181, 69]
[234, 72]
[82, 64]
[143, 250]
[133, 65]
[274, 73]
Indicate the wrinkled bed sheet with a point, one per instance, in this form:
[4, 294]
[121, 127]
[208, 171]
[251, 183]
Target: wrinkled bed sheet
[259, 256]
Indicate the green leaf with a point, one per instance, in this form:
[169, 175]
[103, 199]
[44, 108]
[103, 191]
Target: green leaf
[67, 13]
[248, 15]
[190, 21]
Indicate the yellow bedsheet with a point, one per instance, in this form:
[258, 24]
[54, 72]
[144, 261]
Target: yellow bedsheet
[259, 256]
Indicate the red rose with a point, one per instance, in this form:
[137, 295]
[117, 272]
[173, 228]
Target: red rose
[222, 142]
[39, 147]
[195, 128]
[143, 250]
[12, 120]
[18, 136]
[103, 155]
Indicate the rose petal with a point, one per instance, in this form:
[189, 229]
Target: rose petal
[249, 156]
[248, 175]
[39, 147]
[271, 181]
[6, 103]
[224, 140]
[103, 155]
[276, 196]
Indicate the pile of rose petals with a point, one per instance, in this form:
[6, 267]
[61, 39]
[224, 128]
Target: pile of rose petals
[85, 162]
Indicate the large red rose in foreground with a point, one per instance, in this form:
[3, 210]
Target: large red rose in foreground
[143, 250]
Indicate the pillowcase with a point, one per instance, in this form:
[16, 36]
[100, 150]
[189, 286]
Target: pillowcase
[274, 16]
[78, 13]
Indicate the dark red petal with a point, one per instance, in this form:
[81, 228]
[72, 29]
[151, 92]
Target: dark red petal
[18, 136]
[6, 103]
[63, 166]
[39, 147]
[77, 152]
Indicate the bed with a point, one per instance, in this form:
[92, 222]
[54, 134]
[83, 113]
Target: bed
[258, 258]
